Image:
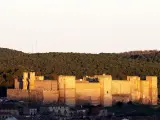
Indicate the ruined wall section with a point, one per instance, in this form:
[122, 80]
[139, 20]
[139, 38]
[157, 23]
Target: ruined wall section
[88, 93]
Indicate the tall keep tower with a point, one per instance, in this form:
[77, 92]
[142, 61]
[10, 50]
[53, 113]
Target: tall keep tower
[32, 80]
[25, 80]
[105, 89]
[67, 91]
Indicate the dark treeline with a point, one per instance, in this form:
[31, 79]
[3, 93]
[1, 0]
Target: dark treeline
[140, 63]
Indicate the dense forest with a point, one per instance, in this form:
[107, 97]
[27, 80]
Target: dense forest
[119, 65]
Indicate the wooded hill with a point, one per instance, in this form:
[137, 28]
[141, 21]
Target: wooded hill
[140, 63]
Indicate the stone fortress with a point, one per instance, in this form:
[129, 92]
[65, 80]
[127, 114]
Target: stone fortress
[68, 90]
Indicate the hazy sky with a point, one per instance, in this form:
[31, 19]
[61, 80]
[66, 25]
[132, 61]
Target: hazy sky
[80, 25]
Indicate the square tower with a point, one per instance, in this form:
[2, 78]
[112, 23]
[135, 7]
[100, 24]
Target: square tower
[25, 80]
[153, 89]
[32, 79]
[105, 89]
[67, 90]
[135, 88]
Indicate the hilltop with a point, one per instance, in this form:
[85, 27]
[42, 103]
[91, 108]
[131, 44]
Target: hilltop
[141, 63]
[6, 53]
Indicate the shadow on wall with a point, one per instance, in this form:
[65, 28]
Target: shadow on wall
[83, 102]
[3, 92]
[20, 83]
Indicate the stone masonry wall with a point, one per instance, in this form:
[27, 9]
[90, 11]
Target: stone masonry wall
[118, 87]
[17, 94]
[46, 85]
[50, 96]
[88, 93]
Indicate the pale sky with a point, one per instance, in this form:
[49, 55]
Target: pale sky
[91, 26]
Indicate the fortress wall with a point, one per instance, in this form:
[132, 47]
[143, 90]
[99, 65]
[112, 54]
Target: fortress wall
[32, 79]
[153, 87]
[121, 98]
[62, 93]
[39, 77]
[50, 96]
[54, 85]
[135, 87]
[43, 85]
[105, 89]
[88, 93]
[25, 75]
[46, 85]
[17, 94]
[70, 93]
[70, 83]
[145, 91]
[36, 95]
[33, 95]
[67, 89]
[120, 87]
[61, 88]
[25, 84]
[70, 90]
[87, 85]
[83, 81]
[66, 86]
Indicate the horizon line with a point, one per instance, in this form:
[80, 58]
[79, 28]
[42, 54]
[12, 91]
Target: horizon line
[140, 50]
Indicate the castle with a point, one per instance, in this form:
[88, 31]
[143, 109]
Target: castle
[68, 90]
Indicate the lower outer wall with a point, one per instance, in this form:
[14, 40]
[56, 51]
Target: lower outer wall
[50, 96]
[34, 95]
[92, 96]
[17, 94]
[85, 94]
